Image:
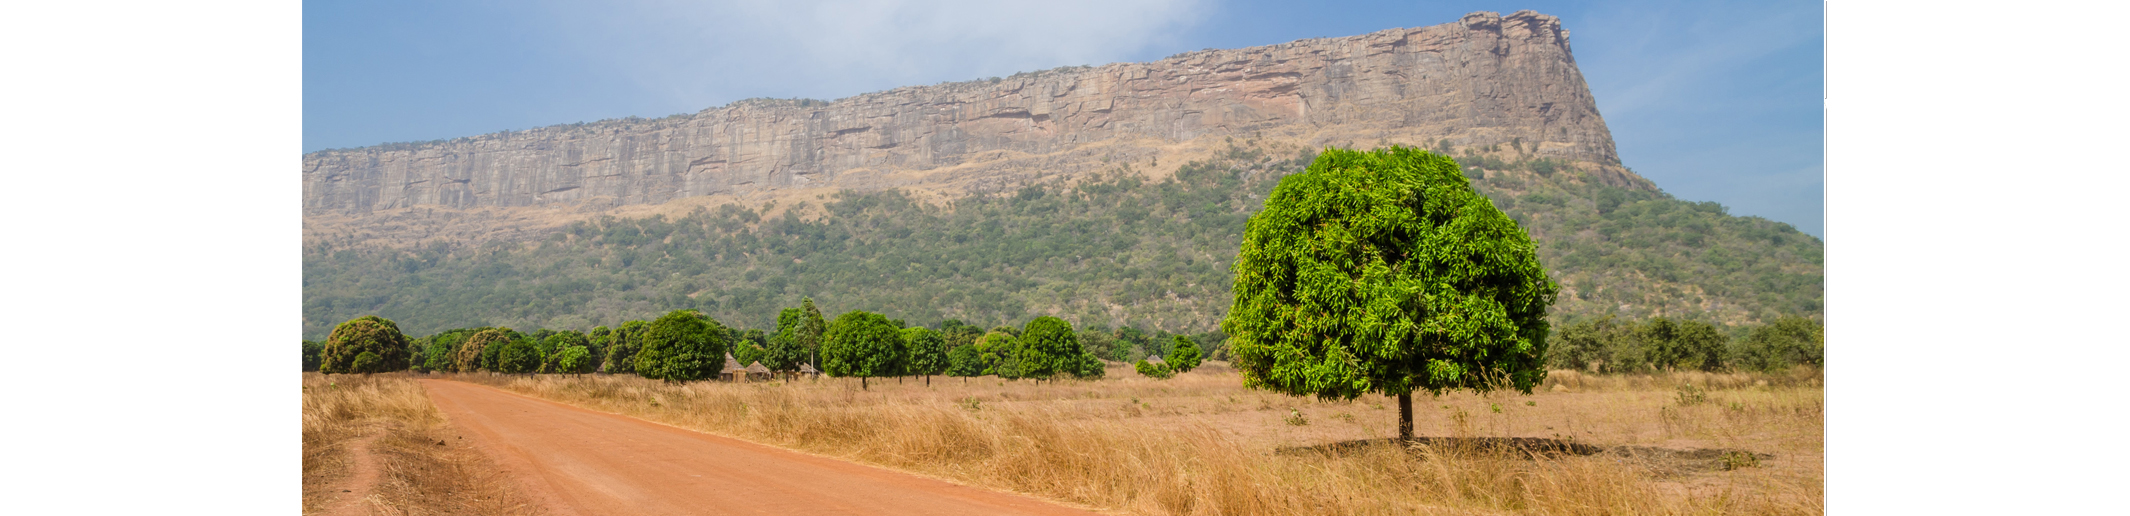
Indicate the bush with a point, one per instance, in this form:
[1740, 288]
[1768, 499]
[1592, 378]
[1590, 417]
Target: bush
[369, 334]
[682, 346]
[1154, 371]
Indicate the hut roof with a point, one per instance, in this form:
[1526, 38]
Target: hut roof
[731, 364]
[756, 367]
[1155, 360]
[808, 369]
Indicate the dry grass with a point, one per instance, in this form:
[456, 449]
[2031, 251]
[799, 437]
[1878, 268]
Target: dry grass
[1201, 444]
[386, 423]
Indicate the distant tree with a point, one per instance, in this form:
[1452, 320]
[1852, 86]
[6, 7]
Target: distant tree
[371, 334]
[1151, 370]
[965, 361]
[1185, 356]
[311, 350]
[927, 352]
[1682, 344]
[468, 357]
[1782, 343]
[622, 347]
[747, 352]
[1049, 348]
[574, 360]
[520, 356]
[682, 346]
[556, 342]
[860, 344]
[1135, 342]
[813, 328]
[602, 337]
[1386, 272]
[784, 353]
[1000, 354]
[1589, 344]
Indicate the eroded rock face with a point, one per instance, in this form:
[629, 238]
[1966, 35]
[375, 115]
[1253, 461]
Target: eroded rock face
[1484, 80]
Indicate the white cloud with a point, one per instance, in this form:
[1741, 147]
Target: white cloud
[701, 54]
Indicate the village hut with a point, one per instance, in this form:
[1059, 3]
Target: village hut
[809, 371]
[1155, 360]
[732, 371]
[755, 371]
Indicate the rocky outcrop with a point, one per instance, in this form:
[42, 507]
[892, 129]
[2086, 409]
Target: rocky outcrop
[1484, 80]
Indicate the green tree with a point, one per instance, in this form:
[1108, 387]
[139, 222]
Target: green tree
[1385, 272]
[927, 352]
[467, 358]
[1151, 370]
[1782, 343]
[1049, 347]
[1682, 344]
[1185, 356]
[965, 361]
[682, 346]
[622, 348]
[311, 350]
[784, 353]
[1589, 344]
[520, 356]
[556, 342]
[861, 344]
[574, 360]
[371, 334]
[1000, 354]
[812, 328]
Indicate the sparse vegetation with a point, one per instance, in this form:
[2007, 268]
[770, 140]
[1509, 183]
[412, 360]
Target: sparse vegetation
[385, 425]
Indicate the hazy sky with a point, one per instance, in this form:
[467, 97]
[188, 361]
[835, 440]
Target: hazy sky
[1713, 101]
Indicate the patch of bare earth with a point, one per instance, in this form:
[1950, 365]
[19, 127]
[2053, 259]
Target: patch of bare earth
[377, 446]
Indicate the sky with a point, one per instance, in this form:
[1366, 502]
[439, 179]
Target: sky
[1714, 101]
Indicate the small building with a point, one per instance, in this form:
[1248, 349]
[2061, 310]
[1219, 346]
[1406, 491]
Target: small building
[1155, 360]
[808, 371]
[755, 371]
[732, 371]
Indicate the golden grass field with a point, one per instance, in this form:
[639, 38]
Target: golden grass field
[379, 439]
[1203, 444]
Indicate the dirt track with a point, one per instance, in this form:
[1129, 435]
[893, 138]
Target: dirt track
[579, 461]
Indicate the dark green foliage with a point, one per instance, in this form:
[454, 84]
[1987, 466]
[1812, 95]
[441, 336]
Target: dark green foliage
[965, 360]
[574, 360]
[483, 343]
[785, 353]
[1162, 250]
[1185, 355]
[861, 344]
[1000, 353]
[681, 346]
[520, 356]
[1385, 272]
[367, 334]
[1591, 344]
[813, 328]
[1683, 344]
[556, 341]
[366, 363]
[1048, 348]
[927, 351]
[622, 346]
[1151, 370]
[311, 350]
[1783, 343]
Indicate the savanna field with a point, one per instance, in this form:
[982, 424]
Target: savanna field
[1200, 443]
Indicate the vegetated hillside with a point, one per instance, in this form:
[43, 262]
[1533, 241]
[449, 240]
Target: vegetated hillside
[1114, 249]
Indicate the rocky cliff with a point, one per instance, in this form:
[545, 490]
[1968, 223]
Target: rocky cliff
[1485, 80]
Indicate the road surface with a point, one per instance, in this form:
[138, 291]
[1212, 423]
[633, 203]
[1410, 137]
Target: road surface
[579, 461]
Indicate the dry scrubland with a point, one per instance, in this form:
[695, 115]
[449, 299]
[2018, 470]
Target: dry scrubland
[376, 445]
[1202, 444]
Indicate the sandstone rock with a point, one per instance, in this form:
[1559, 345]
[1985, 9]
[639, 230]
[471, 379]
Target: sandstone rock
[1484, 80]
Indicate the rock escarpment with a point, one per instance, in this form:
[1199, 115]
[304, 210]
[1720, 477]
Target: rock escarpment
[1486, 80]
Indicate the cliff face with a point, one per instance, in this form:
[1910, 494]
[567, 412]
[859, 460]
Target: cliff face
[1484, 80]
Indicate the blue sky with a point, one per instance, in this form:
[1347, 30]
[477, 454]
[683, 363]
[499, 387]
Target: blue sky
[1714, 101]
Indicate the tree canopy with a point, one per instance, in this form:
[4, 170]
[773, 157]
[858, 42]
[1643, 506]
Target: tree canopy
[927, 351]
[371, 334]
[682, 345]
[1385, 272]
[1185, 355]
[861, 344]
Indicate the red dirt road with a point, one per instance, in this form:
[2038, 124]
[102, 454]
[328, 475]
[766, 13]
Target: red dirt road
[580, 461]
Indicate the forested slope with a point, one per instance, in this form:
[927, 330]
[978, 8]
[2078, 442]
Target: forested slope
[1113, 249]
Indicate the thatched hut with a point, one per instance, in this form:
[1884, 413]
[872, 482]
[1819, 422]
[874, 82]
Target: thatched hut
[732, 371]
[809, 371]
[755, 371]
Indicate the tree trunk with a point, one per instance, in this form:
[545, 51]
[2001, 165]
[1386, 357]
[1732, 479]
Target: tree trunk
[928, 380]
[1405, 418]
[863, 387]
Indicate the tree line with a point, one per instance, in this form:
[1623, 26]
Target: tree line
[686, 345]
[1612, 345]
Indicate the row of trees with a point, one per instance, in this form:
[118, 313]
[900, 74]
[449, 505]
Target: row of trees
[1610, 345]
[685, 345]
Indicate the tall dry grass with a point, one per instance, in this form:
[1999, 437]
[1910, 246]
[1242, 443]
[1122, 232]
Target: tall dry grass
[387, 425]
[1201, 444]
